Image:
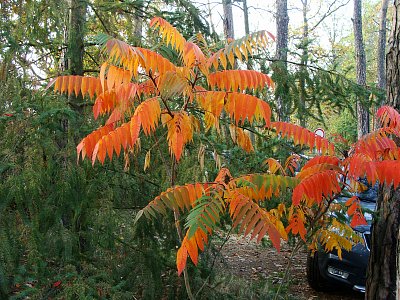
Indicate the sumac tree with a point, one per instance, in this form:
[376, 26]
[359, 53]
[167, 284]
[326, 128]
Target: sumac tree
[143, 92]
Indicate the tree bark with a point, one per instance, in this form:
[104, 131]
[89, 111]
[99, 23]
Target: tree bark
[361, 69]
[381, 280]
[228, 19]
[76, 48]
[382, 45]
[303, 66]
[246, 17]
[381, 80]
[138, 25]
[280, 68]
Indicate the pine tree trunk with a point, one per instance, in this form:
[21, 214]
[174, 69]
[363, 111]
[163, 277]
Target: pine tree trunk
[76, 48]
[138, 24]
[228, 19]
[280, 68]
[381, 80]
[303, 67]
[382, 275]
[361, 66]
[382, 45]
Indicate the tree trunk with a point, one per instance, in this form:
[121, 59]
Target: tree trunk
[382, 45]
[137, 21]
[228, 19]
[381, 281]
[280, 68]
[381, 51]
[246, 28]
[303, 67]
[76, 32]
[361, 67]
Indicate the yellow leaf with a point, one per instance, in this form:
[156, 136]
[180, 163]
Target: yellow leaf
[147, 160]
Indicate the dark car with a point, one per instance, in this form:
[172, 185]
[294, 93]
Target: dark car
[325, 269]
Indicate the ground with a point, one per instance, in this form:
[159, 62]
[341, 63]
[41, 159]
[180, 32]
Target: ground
[254, 262]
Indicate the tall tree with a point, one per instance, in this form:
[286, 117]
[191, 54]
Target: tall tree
[76, 47]
[282, 24]
[382, 45]
[381, 76]
[228, 19]
[381, 281]
[303, 66]
[361, 69]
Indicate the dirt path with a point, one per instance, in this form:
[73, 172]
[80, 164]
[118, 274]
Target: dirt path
[251, 261]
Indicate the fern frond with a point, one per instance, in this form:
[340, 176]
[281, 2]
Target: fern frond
[389, 117]
[84, 85]
[302, 136]
[169, 33]
[317, 186]
[234, 80]
[241, 106]
[241, 138]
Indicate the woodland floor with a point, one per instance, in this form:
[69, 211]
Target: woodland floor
[254, 262]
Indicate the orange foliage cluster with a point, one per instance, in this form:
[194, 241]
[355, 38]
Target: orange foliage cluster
[138, 88]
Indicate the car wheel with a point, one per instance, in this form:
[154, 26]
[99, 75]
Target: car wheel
[314, 277]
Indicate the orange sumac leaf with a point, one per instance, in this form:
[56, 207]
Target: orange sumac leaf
[234, 80]
[77, 84]
[180, 131]
[241, 207]
[87, 145]
[315, 187]
[187, 195]
[324, 159]
[241, 106]
[149, 112]
[389, 117]
[302, 136]
[241, 138]
[181, 258]
[296, 225]
[169, 34]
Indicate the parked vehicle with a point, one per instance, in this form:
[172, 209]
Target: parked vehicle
[325, 269]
